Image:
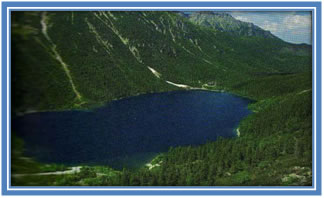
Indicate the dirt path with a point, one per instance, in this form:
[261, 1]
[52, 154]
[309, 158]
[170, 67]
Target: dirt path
[74, 170]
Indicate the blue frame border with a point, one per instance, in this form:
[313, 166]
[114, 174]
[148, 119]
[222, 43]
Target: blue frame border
[6, 57]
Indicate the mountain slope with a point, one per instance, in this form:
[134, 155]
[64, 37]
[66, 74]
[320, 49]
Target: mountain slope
[71, 60]
[223, 21]
[65, 60]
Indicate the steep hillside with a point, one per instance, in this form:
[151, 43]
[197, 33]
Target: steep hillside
[71, 60]
[64, 60]
[224, 22]
[274, 148]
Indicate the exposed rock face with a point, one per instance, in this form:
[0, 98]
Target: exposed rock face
[298, 176]
[223, 21]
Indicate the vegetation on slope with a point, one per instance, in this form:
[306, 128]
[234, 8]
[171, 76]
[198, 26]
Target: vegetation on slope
[223, 21]
[274, 148]
[68, 60]
[107, 54]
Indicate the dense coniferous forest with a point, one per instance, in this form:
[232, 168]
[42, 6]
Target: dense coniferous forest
[80, 60]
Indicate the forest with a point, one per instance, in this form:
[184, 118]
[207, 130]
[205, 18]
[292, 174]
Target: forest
[108, 54]
[274, 148]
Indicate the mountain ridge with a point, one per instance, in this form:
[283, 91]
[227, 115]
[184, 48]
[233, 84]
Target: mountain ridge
[224, 21]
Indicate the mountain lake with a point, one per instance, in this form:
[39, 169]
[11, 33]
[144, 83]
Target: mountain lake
[131, 131]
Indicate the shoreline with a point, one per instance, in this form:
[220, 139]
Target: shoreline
[73, 170]
[94, 106]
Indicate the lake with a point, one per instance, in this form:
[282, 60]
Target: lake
[131, 131]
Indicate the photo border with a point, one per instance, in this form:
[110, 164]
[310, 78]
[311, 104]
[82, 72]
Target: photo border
[7, 7]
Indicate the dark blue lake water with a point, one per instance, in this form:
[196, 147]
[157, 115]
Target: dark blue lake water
[129, 132]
